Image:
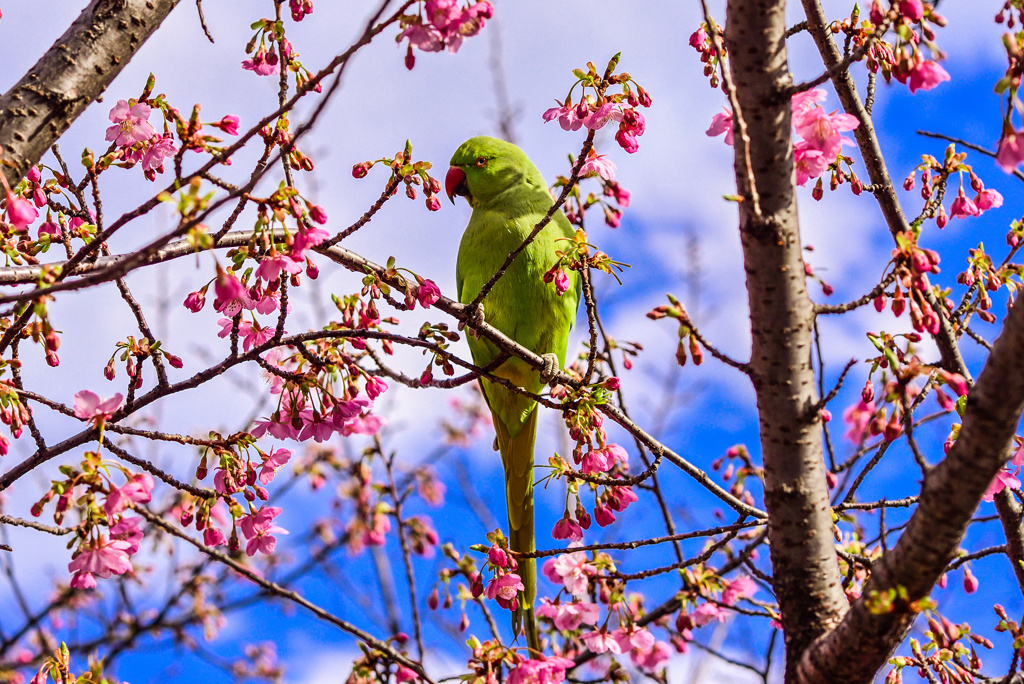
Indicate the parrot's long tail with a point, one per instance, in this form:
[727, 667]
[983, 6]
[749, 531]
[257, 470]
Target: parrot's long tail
[517, 457]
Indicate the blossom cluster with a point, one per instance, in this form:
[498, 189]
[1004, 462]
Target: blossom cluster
[595, 110]
[935, 177]
[405, 170]
[442, 25]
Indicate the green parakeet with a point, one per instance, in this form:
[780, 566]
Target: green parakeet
[509, 197]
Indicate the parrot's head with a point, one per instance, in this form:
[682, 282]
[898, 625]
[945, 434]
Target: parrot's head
[484, 167]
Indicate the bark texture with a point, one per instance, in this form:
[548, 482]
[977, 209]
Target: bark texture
[860, 644]
[71, 75]
[806, 572]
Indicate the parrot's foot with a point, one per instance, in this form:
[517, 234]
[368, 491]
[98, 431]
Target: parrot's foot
[474, 319]
[550, 369]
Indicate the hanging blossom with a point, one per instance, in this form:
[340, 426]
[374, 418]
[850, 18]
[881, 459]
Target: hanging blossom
[89, 406]
[1005, 478]
[445, 26]
[570, 570]
[259, 528]
[540, 671]
[102, 557]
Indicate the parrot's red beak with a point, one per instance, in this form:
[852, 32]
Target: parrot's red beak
[455, 183]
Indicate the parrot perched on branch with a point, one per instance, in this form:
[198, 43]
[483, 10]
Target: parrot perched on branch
[509, 198]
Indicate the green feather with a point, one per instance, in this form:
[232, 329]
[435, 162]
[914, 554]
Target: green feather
[509, 197]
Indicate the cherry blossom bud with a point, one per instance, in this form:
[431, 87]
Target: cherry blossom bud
[175, 361]
[318, 214]
[497, 556]
[880, 302]
[908, 182]
[826, 415]
[360, 170]
[899, 303]
[817, 193]
[464, 623]
[312, 270]
[942, 219]
[433, 600]
[893, 429]
[611, 384]
[970, 581]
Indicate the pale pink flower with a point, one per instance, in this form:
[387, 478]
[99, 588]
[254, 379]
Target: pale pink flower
[570, 570]
[988, 199]
[543, 671]
[805, 101]
[274, 460]
[741, 587]
[1011, 152]
[49, 228]
[653, 658]
[569, 616]
[213, 537]
[707, 612]
[598, 118]
[375, 387]
[103, 558]
[127, 530]
[596, 461]
[153, 159]
[963, 207]
[505, 588]
[258, 529]
[131, 124]
[304, 239]
[566, 115]
[925, 75]
[601, 642]
[722, 123]
[822, 131]
[634, 637]
[600, 165]
[1002, 480]
[138, 489]
[859, 418]
[229, 124]
[808, 162]
[89, 406]
[264, 62]
[271, 266]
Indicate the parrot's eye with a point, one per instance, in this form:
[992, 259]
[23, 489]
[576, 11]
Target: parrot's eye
[481, 161]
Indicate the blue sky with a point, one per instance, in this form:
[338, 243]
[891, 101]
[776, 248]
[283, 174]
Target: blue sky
[677, 178]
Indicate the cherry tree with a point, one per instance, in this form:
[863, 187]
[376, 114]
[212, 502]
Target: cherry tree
[776, 534]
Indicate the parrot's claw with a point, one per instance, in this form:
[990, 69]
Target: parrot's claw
[473, 321]
[551, 368]
[495, 445]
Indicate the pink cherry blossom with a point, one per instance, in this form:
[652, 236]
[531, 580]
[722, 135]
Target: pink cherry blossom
[212, 537]
[619, 498]
[497, 556]
[263, 63]
[304, 239]
[1011, 152]
[138, 489]
[1002, 480]
[926, 75]
[600, 117]
[653, 658]
[808, 162]
[131, 124]
[274, 460]
[567, 529]
[805, 101]
[859, 418]
[427, 293]
[627, 141]
[542, 671]
[601, 642]
[600, 165]
[597, 461]
[259, 529]
[698, 38]
[195, 301]
[633, 637]
[127, 529]
[375, 387]
[741, 587]
[569, 616]
[89, 406]
[229, 124]
[153, 159]
[271, 266]
[988, 199]
[566, 115]
[620, 194]
[504, 589]
[20, 212]
[603, 515]
[707, 612]
[571, 570]
[103, 558]
[722, 123]
[963, 207]
[822, 131]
